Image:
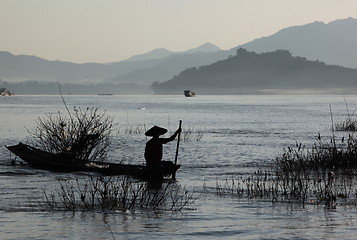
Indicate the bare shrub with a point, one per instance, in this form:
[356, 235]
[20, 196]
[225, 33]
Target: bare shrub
[115, 193]
[83, 132]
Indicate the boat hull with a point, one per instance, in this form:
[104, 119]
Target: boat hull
[65, 162]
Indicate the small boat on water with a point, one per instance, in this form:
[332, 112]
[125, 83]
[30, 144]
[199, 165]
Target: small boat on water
[5, 92]
[64, 162]
[189, 93]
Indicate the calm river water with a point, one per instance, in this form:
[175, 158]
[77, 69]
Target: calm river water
[239, 133]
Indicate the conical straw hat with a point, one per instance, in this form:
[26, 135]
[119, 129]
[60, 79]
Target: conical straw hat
[155, 130]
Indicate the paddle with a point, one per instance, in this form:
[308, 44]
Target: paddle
[177, 148]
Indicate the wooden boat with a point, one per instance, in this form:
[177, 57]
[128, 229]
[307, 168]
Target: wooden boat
[64, 162]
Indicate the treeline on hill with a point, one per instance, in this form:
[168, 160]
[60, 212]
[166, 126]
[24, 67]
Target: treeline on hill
[251, 71]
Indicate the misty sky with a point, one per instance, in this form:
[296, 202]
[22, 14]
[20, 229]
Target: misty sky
[113, 30]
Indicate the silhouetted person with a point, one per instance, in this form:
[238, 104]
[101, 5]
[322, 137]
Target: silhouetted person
[153, 149]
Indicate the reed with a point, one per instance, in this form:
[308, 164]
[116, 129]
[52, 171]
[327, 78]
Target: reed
[303, 189]
[190, 134]
[132, 130]
[322, 174]
[350, 123]
[115, 193]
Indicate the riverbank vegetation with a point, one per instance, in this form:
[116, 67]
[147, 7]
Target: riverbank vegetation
[324, 174]
[349, 123]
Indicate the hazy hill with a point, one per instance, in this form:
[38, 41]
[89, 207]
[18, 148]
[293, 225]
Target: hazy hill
[23, 67]
[333, 43]
[248, 71]
[168, 67]
[163, 53]
[154, 54]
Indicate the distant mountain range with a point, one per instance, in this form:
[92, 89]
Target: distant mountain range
[25, 68]
[332, 43]
[249, 72]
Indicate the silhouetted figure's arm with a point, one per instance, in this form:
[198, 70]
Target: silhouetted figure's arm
[166, 140]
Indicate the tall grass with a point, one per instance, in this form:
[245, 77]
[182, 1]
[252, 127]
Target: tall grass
[138, 129]
[350, 123]
[322, 174]
[190, 134]
[115, 193]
